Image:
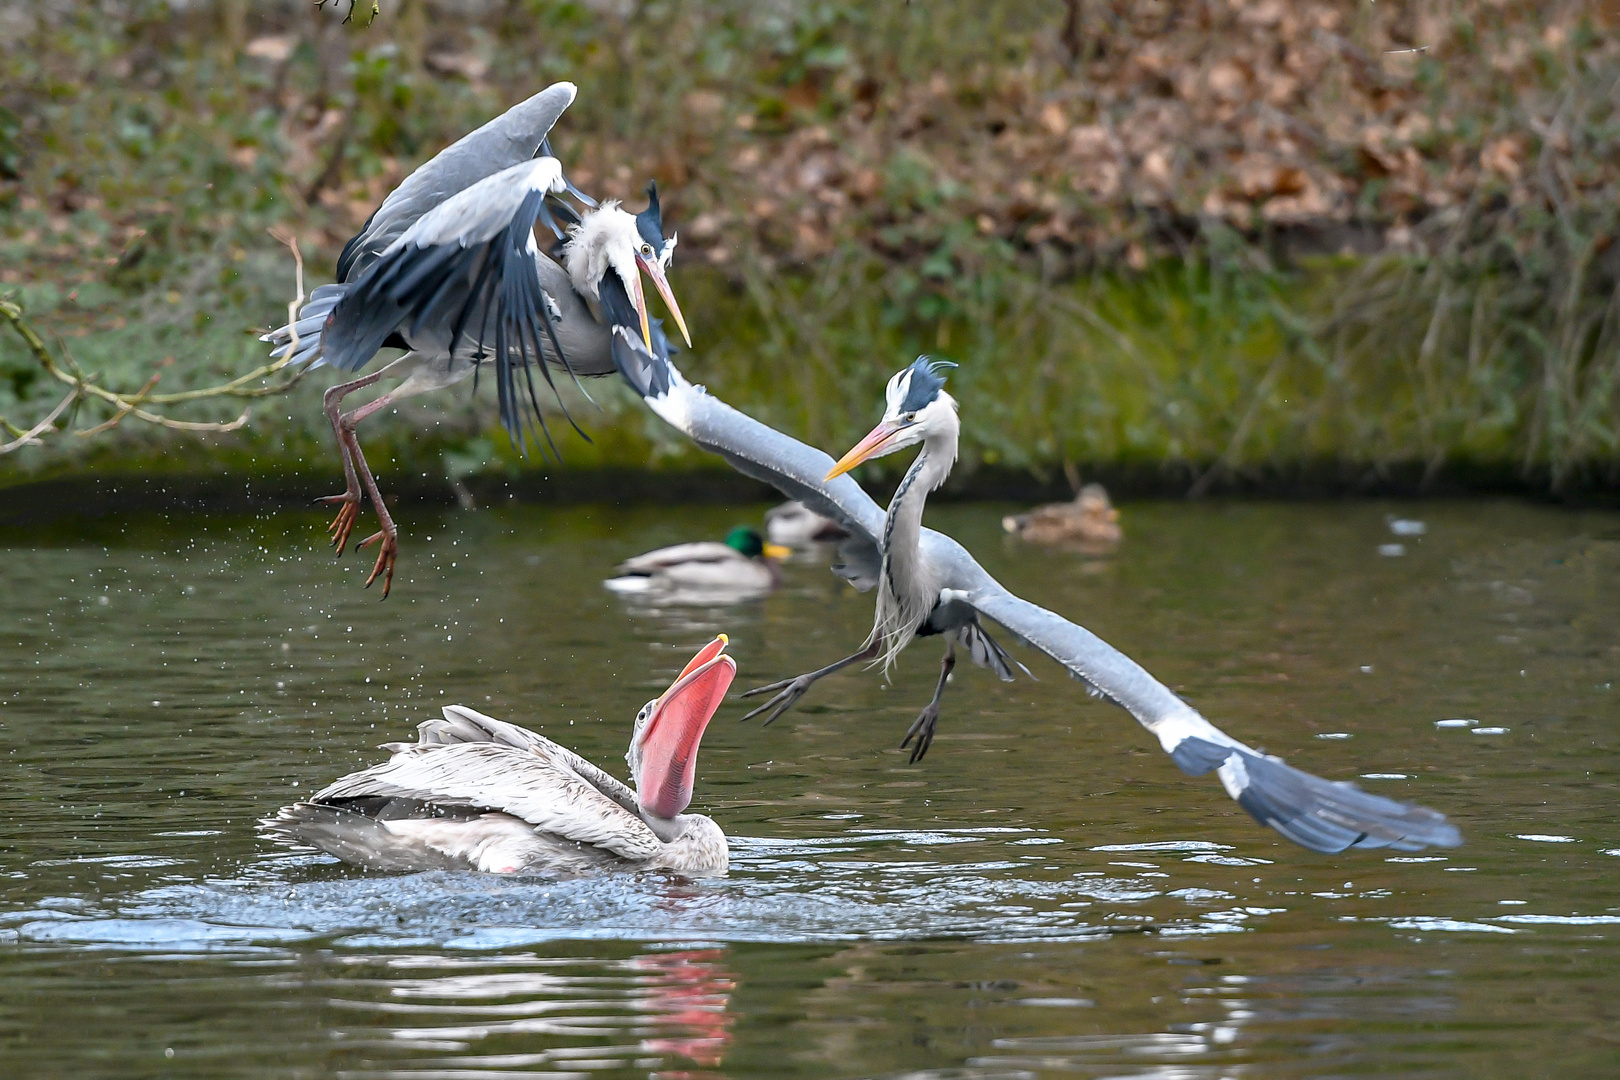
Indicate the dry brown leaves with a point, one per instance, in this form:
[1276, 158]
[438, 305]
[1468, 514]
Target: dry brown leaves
[1285, 113]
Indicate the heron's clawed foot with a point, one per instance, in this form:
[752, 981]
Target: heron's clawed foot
[922, 729]
[386, 554]
[789, 692]
[347, 515]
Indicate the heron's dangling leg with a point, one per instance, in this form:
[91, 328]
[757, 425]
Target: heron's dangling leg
[388, 550]
[922, 728]
[421, 376]
[343, 524]
[791, 690]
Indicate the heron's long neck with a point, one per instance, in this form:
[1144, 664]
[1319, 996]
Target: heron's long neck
[906, 591]
[902, 526]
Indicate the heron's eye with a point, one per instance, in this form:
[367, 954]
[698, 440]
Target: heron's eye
[646, 249]
[910, 418]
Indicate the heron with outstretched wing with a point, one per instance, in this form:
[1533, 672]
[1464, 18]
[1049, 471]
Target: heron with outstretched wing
[1320, 814]
[448, 268]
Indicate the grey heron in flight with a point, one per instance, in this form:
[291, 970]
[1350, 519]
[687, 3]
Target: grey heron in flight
[1322, 815]
[909, 602]
[448, 269]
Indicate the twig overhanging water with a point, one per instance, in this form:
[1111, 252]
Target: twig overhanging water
[84, 388]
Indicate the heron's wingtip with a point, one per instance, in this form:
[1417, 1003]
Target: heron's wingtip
[1324, 815]
[1330, 816]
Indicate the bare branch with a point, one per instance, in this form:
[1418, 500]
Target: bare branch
[82, 387]
[28, 436]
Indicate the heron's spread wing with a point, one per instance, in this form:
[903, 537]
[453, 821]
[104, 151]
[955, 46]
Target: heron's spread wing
[794, 469]
[467, 271]
[510, 139]
[1320, 814]
[539, 787]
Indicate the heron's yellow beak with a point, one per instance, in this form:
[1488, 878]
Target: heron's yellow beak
[874, 445]
[653, 269]
[776, 551]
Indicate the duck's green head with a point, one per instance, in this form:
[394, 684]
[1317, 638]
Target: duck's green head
[751, 544]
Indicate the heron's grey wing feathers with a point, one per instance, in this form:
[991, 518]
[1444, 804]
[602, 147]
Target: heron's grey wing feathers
[470, 265]
[509, 139]
[1319, 814]
[752, 448]
[544, 789]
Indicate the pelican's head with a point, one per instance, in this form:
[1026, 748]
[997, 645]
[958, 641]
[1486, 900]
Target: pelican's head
[916, 407]
[610, 249]
[663, 750]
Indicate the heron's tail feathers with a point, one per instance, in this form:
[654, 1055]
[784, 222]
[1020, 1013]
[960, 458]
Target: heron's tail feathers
[309, 327]
[986, 652]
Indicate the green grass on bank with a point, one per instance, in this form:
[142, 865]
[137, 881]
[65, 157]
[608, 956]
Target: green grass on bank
[1201, 370]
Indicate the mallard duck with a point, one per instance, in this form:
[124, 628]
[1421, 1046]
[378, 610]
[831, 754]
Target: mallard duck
[741, 568]
[1090, 521]
[476, 793]
[795, 525]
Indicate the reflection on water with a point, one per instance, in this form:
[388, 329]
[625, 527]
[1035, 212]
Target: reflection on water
[1045, 896]
[459, 1016]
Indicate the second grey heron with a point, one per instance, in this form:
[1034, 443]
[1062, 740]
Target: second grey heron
[448, 269]
[1322, 815]
[909, 601]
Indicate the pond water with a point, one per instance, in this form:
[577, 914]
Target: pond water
[1045, 895]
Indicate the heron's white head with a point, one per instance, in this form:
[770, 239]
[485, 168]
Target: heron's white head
[916, 408]
[663, 749]
[612, 240]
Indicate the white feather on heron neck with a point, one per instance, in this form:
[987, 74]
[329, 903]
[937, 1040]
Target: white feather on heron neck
[907, 591]
[607, 237]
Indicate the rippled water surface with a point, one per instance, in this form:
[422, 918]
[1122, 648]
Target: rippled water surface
[1044, 896]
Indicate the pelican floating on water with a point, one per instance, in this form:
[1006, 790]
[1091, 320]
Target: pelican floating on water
[741, 568]
[476, 793]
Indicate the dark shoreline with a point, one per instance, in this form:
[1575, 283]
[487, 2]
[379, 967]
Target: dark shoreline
[43, 501]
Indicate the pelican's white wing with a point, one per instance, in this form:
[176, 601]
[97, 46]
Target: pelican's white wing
[545, 785]
[1319, 814]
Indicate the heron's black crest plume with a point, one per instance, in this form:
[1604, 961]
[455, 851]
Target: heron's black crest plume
[650, 222]
[927, 380]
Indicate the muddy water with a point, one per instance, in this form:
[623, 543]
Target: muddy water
[1044, 896]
